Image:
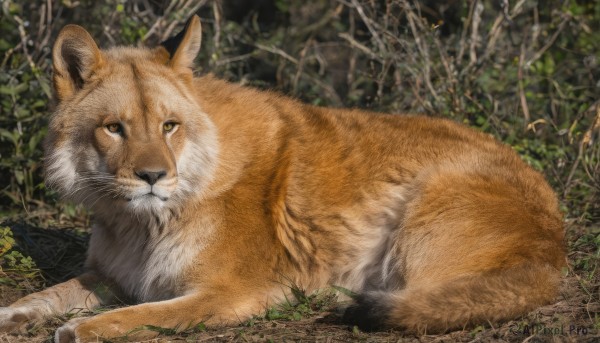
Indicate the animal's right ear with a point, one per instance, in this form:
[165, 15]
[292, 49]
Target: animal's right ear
[75, 56]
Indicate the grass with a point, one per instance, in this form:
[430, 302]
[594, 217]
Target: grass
[17, 269]
[525, 72]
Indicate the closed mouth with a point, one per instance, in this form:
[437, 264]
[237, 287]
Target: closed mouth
[149, 194]
[158, 196]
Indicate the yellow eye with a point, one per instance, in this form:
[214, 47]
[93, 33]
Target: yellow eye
[169, 126]
[114, 128]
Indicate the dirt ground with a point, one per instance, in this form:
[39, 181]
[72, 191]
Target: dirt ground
[575, 317]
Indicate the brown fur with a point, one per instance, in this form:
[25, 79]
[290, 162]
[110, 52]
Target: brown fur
[437, 225]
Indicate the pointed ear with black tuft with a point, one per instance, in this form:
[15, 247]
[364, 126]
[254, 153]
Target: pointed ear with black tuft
[75, 56]
[184, 47]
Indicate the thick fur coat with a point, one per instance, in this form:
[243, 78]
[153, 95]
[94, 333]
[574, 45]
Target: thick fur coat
[209, 198]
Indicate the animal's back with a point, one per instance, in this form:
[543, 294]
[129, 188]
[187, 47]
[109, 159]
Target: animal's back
[408, 210]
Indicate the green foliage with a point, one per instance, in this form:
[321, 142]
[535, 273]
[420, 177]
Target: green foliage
[15, 269]
[301, 306]
[535, 90]
[538, 152]
[24, 89]
[587, 257]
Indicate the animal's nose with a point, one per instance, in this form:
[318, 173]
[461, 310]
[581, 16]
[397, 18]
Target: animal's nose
[150, 176]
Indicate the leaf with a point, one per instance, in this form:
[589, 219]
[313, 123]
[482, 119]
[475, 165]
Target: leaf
[13, 137]
[200, 327]
[345, 291]
[45, 85]
[34, 141]
[8, 90]
[273, 314]
[20, 176]
[300, 295]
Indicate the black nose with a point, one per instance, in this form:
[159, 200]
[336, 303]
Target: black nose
[150, 176]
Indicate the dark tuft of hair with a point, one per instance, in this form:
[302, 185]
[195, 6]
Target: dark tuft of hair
[368, 312]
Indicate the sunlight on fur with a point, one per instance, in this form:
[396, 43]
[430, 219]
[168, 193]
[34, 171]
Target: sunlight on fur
[208, 196]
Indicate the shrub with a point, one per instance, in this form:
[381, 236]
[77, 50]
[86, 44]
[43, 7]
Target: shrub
[526, 72]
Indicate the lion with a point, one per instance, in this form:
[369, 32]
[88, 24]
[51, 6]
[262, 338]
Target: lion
[210, 197]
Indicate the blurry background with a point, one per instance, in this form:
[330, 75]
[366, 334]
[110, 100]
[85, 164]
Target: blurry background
[527, 72]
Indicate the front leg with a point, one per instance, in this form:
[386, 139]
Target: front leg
[179, 314]
[86, 291]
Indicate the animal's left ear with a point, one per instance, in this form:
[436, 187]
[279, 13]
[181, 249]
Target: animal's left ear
[184, 47]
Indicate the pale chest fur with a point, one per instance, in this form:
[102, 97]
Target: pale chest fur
[147, 262]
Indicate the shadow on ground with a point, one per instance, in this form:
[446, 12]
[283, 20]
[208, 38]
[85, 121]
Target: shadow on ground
[59, 253]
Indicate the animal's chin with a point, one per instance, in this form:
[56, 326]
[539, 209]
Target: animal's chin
[149, 202]
[147, 196]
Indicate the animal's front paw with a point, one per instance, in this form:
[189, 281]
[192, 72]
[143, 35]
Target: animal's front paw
[17, 319]
[73, 332]
[93, 329]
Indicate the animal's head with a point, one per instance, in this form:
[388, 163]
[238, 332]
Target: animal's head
[128, 130]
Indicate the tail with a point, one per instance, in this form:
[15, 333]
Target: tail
[466, 301]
